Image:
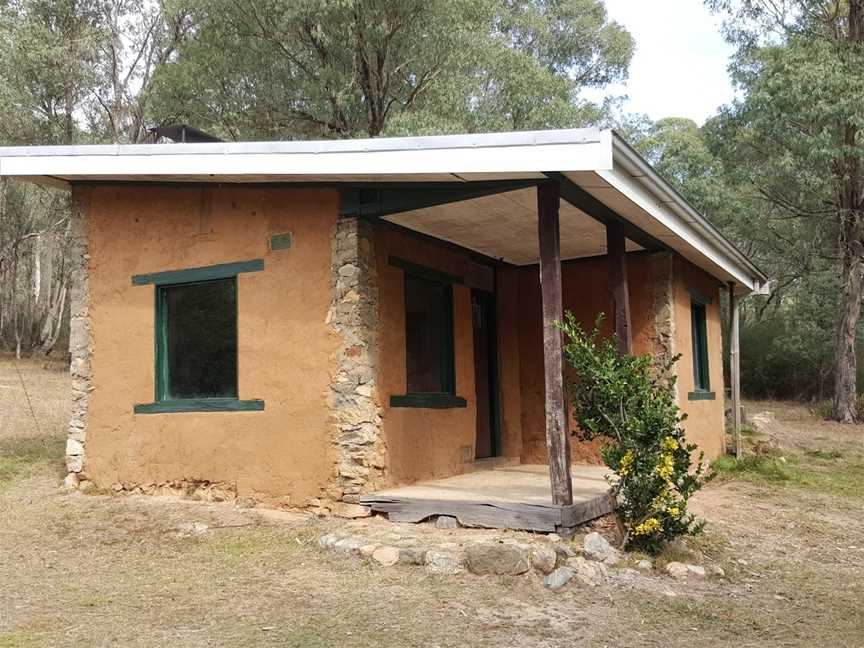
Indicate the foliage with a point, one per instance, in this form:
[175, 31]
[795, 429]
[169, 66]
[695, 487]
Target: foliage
[793, 143]
[324, 68]
[630, 403]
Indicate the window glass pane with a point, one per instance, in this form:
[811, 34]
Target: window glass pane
[201, 339]
[700, 346]
[428, 322]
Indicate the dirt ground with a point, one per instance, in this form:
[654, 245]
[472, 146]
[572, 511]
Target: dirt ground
[99, 570]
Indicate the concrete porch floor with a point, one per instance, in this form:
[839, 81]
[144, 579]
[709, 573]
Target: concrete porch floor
[515, 496]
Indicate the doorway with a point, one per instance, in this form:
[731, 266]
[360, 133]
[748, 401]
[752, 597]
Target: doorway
[485, 374]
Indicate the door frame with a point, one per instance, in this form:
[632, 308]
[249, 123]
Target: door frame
[490, 306]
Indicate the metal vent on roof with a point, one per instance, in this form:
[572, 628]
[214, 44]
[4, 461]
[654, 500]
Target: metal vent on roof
[182, 133]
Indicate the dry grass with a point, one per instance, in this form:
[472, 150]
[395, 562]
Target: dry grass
[107, 571]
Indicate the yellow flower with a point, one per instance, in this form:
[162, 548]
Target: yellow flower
[674, 511]
[669, 444]
[626, 463]
[648, 526]
[666, 467]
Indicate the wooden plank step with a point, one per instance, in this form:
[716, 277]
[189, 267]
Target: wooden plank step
[491, 514]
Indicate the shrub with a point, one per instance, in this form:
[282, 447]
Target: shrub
[630, 403]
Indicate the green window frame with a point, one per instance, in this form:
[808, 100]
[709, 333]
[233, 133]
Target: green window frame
[444, 396]
[699, 334]
[163, 282]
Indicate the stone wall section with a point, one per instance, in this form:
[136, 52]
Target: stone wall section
[354, 400]
[80, 336]
[663, 308]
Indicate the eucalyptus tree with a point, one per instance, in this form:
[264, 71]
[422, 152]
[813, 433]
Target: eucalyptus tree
[343, 68]
[795, 138]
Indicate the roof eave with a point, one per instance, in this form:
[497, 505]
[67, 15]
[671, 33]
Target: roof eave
[647, 176]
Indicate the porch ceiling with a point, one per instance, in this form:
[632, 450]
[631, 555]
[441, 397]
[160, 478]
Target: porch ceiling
[504, 226]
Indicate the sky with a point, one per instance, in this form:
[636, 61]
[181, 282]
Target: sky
[679, 69]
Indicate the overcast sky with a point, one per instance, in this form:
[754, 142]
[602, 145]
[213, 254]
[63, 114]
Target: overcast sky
[679, 69]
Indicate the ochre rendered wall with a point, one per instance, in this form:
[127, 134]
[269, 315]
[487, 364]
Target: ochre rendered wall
[423, 443]
[705, 418]
[281, 455]
[585, 294]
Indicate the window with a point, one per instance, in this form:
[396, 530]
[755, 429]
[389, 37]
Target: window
[429, 359]
[701, 382]
[196, 339]
[197, 352]
[428, 336]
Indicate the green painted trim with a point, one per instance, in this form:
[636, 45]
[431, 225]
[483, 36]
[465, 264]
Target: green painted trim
[699, 333]
[191, 275]
[700, 394]
[200, 405]
[428, 401]
[424, 272]
[162, 378]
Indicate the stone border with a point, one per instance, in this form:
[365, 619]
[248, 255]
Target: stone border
[354, 403]
[80, 335]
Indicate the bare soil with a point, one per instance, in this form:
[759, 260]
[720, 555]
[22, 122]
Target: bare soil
[100, 570]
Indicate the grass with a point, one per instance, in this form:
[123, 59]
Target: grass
[117, 570]
[830, 472]
[19, 456]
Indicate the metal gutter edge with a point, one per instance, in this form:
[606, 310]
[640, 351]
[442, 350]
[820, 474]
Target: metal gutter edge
[645, 174]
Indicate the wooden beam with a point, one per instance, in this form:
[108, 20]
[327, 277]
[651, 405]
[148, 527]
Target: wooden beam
[735, 367]
[557, 434]
[593, 207]
[618, 288]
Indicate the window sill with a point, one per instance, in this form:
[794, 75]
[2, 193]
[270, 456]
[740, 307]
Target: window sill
[701, 394]
[428, 401]
[200, 405]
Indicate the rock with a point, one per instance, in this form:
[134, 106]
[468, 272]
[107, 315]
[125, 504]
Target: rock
[588, 572]
[595, 547]
[70, 483]
[564, 550]
[544, 559]
[553, 537]
[327, 541]
[367, 550]
[558, 578]
[412, 556]
[644, 565]
[442, 562]
[496, 558]
[346, 510]
[716, 571]
[387, 556]
[192, 528]
[348, 545]
[696, 570]
[446, 522]
[86, 486]
[117, 487]
[677, 570]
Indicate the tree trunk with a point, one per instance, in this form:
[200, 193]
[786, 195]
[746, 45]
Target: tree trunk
[845, 362]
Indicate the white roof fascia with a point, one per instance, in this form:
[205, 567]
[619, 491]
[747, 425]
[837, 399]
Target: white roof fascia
[640, 183]
[526, 152]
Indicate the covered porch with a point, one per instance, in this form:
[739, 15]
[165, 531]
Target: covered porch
[504, 496]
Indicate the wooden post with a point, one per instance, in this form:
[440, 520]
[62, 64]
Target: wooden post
[618, 289]
[557, 434]
[735, 367]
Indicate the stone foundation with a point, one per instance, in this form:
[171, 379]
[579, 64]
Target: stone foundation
[354, 400]
[80, 338]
